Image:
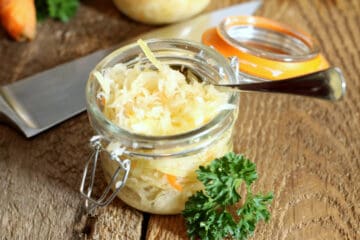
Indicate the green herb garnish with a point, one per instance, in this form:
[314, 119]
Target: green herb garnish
[57, 9]
[207, 212]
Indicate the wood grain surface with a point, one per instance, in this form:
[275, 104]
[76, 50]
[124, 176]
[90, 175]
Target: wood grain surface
[307, 151]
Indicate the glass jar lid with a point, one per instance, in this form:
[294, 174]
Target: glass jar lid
[266, 49]
[266, 38]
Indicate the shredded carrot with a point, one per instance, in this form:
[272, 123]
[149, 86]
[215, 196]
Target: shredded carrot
[172, 181]
[103, 101]
[133, 164]
[18, 17]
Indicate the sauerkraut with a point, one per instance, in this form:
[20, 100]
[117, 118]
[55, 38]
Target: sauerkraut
[155, 100]
[148, 187]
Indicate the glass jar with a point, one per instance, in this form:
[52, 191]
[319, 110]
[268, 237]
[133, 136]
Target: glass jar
[162, 173]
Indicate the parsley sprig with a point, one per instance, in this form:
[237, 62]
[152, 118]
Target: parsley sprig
[61, 10]
[207, 212]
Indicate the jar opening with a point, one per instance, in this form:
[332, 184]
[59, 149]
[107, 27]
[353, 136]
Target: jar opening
[266, 38]
[202, 60]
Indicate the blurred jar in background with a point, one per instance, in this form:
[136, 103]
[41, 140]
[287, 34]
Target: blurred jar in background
[160, 11]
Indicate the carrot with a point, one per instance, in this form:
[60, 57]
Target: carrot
[172, 181]
[103, 101]
[18, 17]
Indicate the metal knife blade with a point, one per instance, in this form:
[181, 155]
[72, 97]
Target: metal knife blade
[36, 103]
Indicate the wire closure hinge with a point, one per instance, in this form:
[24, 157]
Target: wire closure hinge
[118, 179]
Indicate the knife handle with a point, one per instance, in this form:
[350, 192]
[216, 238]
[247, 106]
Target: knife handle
[10, 117]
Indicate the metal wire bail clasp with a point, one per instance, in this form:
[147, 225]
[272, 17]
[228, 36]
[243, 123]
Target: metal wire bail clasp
[86, 189]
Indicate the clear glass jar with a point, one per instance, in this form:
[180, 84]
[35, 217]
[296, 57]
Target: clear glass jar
[162, 173]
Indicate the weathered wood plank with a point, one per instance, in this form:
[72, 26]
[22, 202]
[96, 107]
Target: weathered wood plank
[306, 150]
[40, 177]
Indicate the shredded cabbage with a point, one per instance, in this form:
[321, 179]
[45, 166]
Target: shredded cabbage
[147, 188]
[157, 102]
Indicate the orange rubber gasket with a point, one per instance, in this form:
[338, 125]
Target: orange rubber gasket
[260, 66]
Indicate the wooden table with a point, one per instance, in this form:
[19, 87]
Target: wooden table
[307, 151]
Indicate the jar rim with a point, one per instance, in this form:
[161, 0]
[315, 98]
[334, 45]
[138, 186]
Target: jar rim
[265, 33]
[130, 138]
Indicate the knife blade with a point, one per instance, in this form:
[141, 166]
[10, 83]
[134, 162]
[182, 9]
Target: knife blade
[39, 102]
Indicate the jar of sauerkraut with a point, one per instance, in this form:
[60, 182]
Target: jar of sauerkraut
[171, 126]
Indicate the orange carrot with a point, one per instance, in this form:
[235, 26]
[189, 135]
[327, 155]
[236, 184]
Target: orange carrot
[18, 17]
[172, 181]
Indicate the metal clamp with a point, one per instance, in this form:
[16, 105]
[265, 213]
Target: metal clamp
[124, 166]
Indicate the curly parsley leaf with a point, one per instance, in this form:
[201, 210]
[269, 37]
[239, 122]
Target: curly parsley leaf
[57, 9]
[206, 212]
